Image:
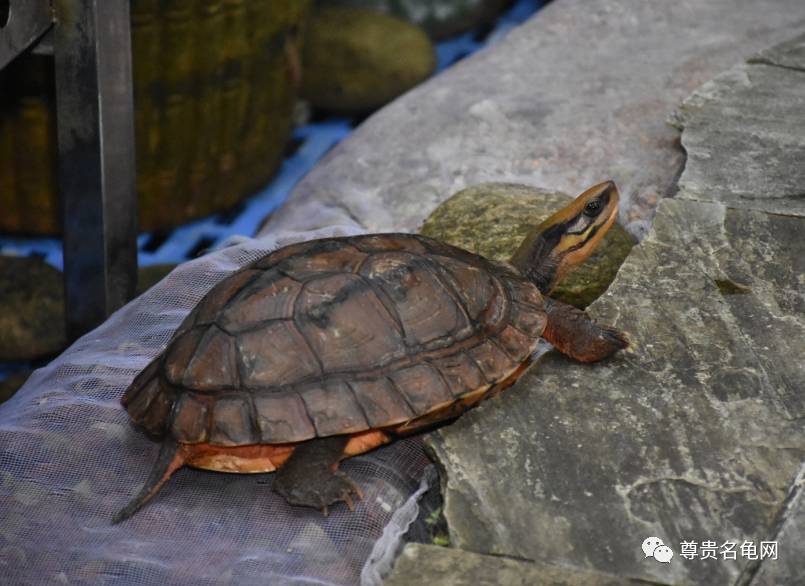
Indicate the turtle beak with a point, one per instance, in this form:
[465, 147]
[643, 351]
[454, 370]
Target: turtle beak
[568, 237]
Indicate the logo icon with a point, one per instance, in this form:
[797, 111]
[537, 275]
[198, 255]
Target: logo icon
[653, 547]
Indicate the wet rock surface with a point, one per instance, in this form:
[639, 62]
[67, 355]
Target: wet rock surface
[492, 219]
[540, 109]
[744, 133]
[427, 564]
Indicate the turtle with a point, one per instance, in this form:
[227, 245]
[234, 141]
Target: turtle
[329, 348]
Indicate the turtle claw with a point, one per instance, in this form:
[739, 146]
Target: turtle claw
[341, 488]
[355, 490]
[616, 337]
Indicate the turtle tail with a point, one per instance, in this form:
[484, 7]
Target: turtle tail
[171, 457]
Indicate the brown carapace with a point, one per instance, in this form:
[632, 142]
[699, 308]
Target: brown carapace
[327, 349]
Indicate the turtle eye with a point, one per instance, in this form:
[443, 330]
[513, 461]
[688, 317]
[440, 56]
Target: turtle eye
[592, 208]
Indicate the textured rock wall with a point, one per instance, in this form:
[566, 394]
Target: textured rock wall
[745, 134]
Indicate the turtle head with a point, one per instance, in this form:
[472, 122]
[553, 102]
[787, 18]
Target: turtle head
[568, 237]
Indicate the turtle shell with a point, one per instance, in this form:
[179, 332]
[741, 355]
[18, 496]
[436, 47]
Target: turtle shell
[339, 336]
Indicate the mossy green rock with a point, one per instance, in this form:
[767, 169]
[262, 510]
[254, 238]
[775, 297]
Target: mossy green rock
[358, 60]
[214, 84]
[492, 219]
[32, 306]
[31, 309]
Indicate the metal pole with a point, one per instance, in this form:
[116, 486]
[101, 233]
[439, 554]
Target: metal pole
[95, 113]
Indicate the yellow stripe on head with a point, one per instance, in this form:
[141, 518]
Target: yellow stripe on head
[568, 237]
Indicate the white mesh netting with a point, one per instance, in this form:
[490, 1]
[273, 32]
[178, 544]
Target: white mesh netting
[70, 458]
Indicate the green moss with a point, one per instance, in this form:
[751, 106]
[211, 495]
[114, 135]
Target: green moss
[437, 527]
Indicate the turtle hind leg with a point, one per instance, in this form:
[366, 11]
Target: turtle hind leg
[171, 457]
[310, 477]
[573, 333]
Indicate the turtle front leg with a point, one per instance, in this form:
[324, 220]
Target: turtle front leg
[573, 333]
[311, 478]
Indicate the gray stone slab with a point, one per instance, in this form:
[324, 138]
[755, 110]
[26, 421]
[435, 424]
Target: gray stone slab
[578, 94]
[696, 435]
[789, 54]
[789, 567]
[744, 133]
[429, 564]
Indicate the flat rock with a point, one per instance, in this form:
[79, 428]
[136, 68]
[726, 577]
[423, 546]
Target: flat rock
[492, 219]
[696, 435]
[789, 54]
[744, 133]
[429, 564]
[552, 105]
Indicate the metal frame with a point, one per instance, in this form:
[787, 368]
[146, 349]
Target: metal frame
[95, 113]
[91, 44]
